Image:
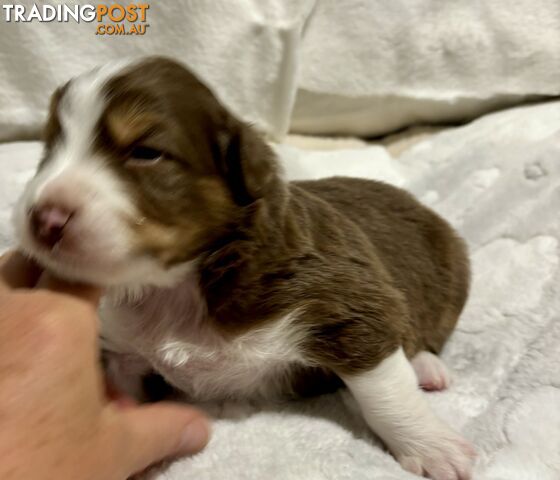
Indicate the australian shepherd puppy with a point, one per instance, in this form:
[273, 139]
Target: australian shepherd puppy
[229, 281]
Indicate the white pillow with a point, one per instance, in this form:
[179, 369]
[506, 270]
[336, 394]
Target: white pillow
[360, 67]
[373, 66]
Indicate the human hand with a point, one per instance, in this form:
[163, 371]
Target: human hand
[56, 419]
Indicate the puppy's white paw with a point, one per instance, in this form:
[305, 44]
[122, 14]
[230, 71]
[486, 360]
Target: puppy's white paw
[441, 455]
[398, 412]
[431, 372]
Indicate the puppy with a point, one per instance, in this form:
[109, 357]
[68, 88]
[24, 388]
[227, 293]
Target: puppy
[233, 283]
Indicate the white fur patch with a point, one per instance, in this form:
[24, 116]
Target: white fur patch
[79, 112]
[250, 365]
[172, 333]
[397, 411]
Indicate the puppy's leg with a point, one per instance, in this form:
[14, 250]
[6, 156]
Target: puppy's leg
[431, 372]
[125, 373]
[397, 411]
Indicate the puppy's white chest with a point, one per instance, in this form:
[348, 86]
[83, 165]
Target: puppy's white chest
[251, 365]
[176, 340]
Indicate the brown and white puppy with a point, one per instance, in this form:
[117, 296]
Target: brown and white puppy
[229, 281]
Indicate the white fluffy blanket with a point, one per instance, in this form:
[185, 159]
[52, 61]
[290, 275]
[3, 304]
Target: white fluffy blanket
[360, 67]
[498, 181]
[369, 67]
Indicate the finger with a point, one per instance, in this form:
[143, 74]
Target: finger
[18, 271]
[164, 430]
[88, 293]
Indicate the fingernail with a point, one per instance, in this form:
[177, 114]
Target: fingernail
[195, 436]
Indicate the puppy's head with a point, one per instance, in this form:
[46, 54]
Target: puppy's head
[143, 171]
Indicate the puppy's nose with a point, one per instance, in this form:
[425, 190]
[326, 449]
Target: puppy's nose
[48, 222]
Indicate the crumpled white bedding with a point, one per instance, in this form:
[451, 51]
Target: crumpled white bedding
[369, 67]
[246, 50]
[498, 181]
[358, 67]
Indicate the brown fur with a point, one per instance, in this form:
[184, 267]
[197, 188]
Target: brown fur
[368, 267]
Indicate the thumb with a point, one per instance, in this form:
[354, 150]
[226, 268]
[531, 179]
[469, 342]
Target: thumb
[163, 430]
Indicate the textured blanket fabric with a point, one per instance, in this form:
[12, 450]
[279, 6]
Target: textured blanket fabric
[244, 49]
[498, 181]
[386, 64]
[360, 67]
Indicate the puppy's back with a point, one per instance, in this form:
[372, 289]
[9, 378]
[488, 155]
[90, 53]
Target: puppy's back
[426, 258]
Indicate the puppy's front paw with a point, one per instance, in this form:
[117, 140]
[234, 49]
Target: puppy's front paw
[397, 411]
[441, 455]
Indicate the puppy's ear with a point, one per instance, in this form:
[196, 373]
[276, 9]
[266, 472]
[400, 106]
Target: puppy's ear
[247, 164]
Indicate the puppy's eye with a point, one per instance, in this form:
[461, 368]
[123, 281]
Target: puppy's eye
[143, 154]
